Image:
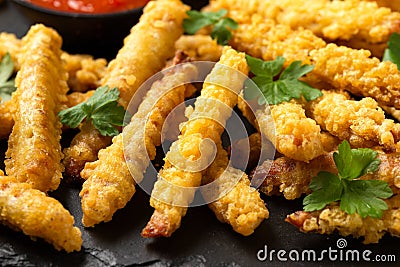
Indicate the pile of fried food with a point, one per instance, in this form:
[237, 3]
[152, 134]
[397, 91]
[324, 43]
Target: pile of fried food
[359, 92]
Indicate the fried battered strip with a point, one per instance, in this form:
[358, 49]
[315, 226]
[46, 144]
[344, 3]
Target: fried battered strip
[362, 123]
[109, 183]
[6, 118]
[216, 101]
[367, 24]
[242, 206]
[29, 210]
[332, 218]
[354, 71]
[293, 134]
[291, 177]
[84, 72]
[199, 47]
[146, 49]
[34, 150]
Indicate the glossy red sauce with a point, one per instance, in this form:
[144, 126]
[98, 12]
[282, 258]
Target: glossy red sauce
[89, 6]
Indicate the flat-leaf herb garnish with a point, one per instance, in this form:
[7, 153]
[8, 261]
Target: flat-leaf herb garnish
[7, 85]
[392, 52]
[364, 197]
[221, 25]
[278, 85]
[102, 110]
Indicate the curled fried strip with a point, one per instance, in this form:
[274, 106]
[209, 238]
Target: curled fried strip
[362, 123]
[146, 49]
[242, 206]
[34, 150]
[293, 134]
[37, 215]
[291, 177]
[332, 218]
[216, 102]
[111, 175]
[368, 25]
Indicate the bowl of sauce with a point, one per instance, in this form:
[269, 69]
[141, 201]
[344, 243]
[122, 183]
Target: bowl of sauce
[95, 27]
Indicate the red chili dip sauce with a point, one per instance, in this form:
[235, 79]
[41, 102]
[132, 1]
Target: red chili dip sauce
[89, 6]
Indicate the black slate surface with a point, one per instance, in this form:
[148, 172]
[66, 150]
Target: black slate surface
[201, 240]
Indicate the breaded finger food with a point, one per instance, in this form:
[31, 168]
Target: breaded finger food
[206, 121]
[109, 183]
[34, 151]
[145, 52]
[37, 215]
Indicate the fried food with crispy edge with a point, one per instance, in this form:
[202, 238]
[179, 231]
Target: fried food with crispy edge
[362, 123]
[288, 128]
[34, 213]
[199, 47]
[34, 151]
[216, 101]
[241, 206]
[110, 181]
[332, 218]
[291, 177]
[393, 5]
[341, 67]
[6, 118]
[145, 51]
[368, 26]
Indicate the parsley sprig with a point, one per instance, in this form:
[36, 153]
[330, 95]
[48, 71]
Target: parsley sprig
[392, 52]
[221, 24]
[361, 196]
[7, 85]
[102, 110]
[278, 86]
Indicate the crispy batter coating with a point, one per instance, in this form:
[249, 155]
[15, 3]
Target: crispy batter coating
[76, 98]
[109, 183]
[293, 134]
[11, 44]
[34, 150]
[242, 206]
[354, 71]
[291, 177]
[37, 215]
[393, 5]
[368, 23]
[216, 101]
[332, 218]
[146, 49]
[84, 72]
[6, 118]
[362, 123]
[199, 47]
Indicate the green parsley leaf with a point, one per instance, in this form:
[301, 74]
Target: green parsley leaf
[273, 89]
[102, 110]
[7, 86]
[221, 26]
[392, 52]
[361, 196]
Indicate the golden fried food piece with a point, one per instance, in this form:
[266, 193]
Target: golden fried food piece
[199, 47]
[393, 112]
[292, 178]
[6, 118]
[84, 72]
[393, 5]
[354, 71]
[34, 150]
[37, 215]
[293, 134]
[367, 25]
[76, 98]
[332, 218]
[216, 101]
[109, 183]
[11, 44]
[146, 49]
[362, 123]
[242, 206]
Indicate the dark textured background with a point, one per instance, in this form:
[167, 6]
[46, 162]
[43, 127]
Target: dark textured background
[201, 240]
